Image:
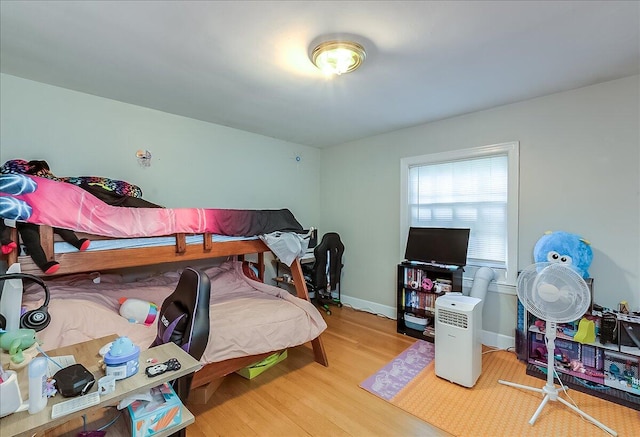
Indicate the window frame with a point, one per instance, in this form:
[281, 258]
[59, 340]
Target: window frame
[512, 151]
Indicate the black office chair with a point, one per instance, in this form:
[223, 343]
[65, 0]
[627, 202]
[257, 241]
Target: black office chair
[184, 320]
[324, 275]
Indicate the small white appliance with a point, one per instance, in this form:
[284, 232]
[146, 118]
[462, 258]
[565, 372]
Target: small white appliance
[458, 344]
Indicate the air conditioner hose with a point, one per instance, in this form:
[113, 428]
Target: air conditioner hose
[481, 280]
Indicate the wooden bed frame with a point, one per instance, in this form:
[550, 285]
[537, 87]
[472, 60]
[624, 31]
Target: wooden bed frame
[210, 376]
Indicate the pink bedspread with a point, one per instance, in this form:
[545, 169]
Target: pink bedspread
[45, 201]
[247, 317]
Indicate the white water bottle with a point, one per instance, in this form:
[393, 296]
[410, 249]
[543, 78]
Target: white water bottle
[11, 299]
[37, 385]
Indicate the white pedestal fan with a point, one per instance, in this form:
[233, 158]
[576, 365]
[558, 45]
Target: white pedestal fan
[556, 294]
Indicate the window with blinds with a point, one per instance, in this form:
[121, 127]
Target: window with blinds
[464, 194]
[473, 188]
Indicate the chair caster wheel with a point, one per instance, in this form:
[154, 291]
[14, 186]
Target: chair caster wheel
[328, 313]
[339, 305]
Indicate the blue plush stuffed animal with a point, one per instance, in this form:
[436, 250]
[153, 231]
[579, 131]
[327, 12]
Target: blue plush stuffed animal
[566, 248]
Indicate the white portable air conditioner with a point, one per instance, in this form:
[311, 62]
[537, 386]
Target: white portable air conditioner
[458, 345]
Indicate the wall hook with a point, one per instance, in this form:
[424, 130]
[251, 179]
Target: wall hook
[144, 158]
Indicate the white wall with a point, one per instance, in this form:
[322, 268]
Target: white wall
[194, 163]
[579, 172]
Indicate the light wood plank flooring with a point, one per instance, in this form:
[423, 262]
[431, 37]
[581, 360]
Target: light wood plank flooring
[299, 397]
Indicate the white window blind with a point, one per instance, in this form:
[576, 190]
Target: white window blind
[473, 188]
[464, 194]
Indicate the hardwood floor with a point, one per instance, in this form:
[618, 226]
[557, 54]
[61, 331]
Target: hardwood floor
[299, 397]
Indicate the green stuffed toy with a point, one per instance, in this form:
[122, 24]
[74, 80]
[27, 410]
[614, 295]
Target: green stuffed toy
[565, 248]
[16, 341]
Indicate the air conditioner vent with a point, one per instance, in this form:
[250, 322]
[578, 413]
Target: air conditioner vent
[452, 318]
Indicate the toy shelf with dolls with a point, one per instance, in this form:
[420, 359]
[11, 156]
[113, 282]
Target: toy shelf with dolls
[606, 365]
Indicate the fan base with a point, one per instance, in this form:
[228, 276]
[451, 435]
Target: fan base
[550, 393]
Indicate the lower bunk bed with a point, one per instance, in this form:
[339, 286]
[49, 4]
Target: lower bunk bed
[249, 320]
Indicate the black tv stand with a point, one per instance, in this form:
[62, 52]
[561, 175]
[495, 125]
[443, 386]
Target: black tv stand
[418, 301]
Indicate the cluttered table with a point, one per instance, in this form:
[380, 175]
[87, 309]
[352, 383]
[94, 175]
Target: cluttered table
[23, 423]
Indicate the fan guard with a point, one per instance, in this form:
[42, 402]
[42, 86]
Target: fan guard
[553, 292]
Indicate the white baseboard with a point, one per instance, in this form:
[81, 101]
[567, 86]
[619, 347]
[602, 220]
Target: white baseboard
[370, 307]
[492, 339]
[498, 341]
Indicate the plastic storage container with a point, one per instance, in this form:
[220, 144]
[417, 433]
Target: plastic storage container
[122, 359]
[414, 322]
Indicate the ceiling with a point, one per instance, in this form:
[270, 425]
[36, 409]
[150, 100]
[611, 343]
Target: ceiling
[245, 64]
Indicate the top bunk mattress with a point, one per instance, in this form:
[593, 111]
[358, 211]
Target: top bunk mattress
[246, 317]
[132, 243]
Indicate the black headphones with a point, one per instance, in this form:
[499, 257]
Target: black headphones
[37, 319]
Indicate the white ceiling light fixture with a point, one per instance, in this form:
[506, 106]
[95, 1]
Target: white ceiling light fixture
[338, 57]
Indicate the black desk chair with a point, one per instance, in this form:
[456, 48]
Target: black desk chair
[324, 276]
[184, 320]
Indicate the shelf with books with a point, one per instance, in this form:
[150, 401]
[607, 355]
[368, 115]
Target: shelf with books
[418, 287]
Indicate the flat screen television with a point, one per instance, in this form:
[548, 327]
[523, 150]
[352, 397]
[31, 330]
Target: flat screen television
[437, 245]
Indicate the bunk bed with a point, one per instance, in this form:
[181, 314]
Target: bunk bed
[182, 249]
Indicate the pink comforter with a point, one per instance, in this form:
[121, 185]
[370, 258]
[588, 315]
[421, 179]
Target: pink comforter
[44, 201]
[247, 317]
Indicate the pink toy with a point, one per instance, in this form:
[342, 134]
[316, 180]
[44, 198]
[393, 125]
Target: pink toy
[138, 311]
[427, 284]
